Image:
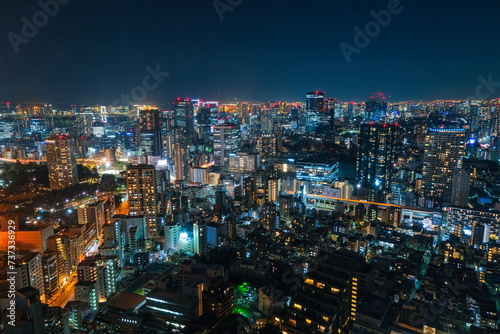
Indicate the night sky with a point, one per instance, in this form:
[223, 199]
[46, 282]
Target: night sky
[94, 51]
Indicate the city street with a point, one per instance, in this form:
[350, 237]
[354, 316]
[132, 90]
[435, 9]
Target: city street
[64, 294]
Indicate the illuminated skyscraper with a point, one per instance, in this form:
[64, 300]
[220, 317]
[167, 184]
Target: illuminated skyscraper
[184, 118]
[150, 132]
[61, 161]
[226, 141]
[460, 188]
[143, 196]
[314, 109]
[29, 272]
[444, 153]
[84, 123]
[273, 189]
[376, 156]
[180, 162]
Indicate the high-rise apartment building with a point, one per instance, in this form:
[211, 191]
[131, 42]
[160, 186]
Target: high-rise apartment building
[143, 196]
[93, 213]
[273, 189]
[376, 156]
[84, 123]
[61, 161]
[29, 272]
[50, 269]
[460, 188]
[444, 153]
[200, 238]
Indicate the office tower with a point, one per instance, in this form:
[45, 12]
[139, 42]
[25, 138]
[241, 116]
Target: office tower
[460, 188]
[273, 189]
[184, 118]
[180, 161]
[444, 152]
[29, 272]
[130, 137]
[329, 113]
[200, 238]
[204, 121]
[61, 161]
[329, 296]
[350, 111]
[314, 109]
[376, 107]
[226, 141]
[143, 196]
[150, 132]
[218, 298]
[93, 213]
[376, 158]
[50, 269]
[242, 162]
[168, 145]
[29, 313]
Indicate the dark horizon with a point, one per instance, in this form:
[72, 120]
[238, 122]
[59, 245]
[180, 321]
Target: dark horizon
[260, 51]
